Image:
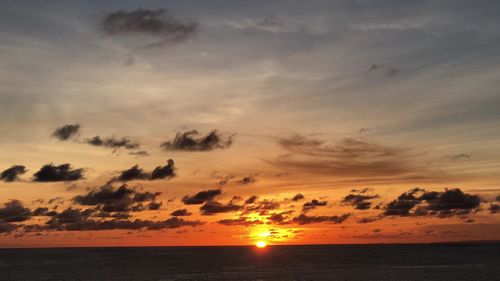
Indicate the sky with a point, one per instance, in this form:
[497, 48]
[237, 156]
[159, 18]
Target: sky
[128, 123]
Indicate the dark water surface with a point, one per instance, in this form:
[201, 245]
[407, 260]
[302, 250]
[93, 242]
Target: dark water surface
[339, 262]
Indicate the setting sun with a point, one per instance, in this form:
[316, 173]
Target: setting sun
[261, 244]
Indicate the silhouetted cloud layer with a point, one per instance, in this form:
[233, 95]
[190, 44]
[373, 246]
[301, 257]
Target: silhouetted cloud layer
[123, 199]
[448, 203]
[12, 174]
[53, 173]
[188, 142]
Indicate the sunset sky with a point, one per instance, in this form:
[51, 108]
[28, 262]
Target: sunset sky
[131, 123]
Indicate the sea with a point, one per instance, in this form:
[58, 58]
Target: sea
[440, 262]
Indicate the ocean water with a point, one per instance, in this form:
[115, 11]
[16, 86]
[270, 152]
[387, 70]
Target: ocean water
[441, 262]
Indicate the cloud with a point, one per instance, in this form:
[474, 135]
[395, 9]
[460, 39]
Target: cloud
[262, 206]
[247, 180]
[447, 203]
[76, 220]
[66, 132]
[134, 173]
[297, 197]
[304, 219]
[159, 23]
[251, 199]
[450, 200]
[6, 227]
[460, 156]
[403, 204]
[350, 158]
[359, 201]
[214, 207]
[187, 142]
[180, 213]
[63, 172]
[201, 197]
[112, 142]
[14, 211]
[12, 174]
[243, 221]
[368, 219]
[123, 199]
[161, 172]
[494, 208]
[313, 204]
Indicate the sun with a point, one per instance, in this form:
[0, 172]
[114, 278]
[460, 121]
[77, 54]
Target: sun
[261, 244]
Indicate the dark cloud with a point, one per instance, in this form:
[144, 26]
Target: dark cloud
[494, 208]
[278, 218]
[63, 172]
[313, 204]
[262, 206]
[351, 159]
[66, 132]
[368, 219]
[251, 199]
[201, 197]
[180, 213]
[247, 180]
[160, 172]
[134, 173]
[112, 142]
[154, 206]
[214, 207]
[298, 197]
[159, 23]
[14, 211]
[451, 199]
[403, 204]
[12, 174]
[304, 219]
[448, 203]
[360, 201]
[186, 141]
[244, 221]
[122, 199]
[40, 211]
[6, 227]
[77, 220]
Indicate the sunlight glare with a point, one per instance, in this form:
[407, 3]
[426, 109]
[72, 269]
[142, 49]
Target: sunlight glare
[261, 244]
